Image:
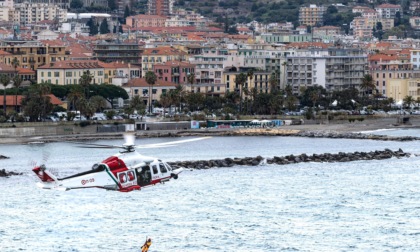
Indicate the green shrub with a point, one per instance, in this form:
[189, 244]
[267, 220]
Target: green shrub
[360, 119]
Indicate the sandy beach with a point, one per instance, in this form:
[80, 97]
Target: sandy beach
[333, 126]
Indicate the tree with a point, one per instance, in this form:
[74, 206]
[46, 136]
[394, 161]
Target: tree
[85, 80]
[93, 27]
[136, 104]
[74, 96]
[36, 104]
[98, 103]
[409, 101]
[76, 4]
[240, 81]
[104, 29]
[4, 80]
[151, 79]
[126, 11]
[368, 84]
[112, 4]
[17, 81]
[110, 92]
[15, 63]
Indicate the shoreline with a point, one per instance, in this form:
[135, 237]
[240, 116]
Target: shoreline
[331, 130]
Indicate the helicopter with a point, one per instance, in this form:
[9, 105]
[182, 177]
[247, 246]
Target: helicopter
[125, 171]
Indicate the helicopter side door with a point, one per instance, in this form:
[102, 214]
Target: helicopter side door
[160, 172]
[127, 178]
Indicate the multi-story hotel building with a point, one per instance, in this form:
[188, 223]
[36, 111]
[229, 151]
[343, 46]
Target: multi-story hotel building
[333, 68]
[118, 52]
[29, 13]
[160, 7]
[312, 15]
[69, 72]
[141, 20]
[32, 54]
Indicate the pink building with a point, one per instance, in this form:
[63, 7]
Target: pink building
[174, 71]
[145, 21]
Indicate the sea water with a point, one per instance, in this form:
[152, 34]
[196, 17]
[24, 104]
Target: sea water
[355, 206]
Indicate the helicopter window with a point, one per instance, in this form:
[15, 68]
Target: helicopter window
[168, 167]
[95, 166]
[162, 168]
[130, 175]
[123, 178]
[155, 169]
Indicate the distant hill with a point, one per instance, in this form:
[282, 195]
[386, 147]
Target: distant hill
[244, 11]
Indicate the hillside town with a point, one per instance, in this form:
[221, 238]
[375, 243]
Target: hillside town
[175, 57]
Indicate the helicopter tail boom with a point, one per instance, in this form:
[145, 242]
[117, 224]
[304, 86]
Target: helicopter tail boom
[44, 174]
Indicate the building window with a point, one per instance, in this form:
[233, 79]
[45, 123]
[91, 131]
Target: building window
[68, 74]
[136, 91]
[56, 74]
[49, 74]
[42, 74]
[383, 83]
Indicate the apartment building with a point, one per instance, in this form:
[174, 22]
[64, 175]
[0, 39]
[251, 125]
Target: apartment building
[63, 4]
[118, 52]
[174, 71]
[209, 65]
[161, 54]
[32, 54]
[363, 26]
[385, 67]
[139, 87]
[312, 15]
[259, 81]
[332, 68]
[30, 13]
[388, 10]
[142, 20]
[160, 7]
[399, 88]
[69, 72]
[326, 31]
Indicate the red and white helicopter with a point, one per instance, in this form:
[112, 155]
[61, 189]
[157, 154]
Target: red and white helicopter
[125, 171]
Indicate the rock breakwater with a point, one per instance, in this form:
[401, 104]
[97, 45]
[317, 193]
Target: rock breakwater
[4, 173]
[292, 159]
[316, 134]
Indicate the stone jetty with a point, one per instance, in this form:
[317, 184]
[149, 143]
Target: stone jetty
[292, 159]
[316, 134]
[4, 173]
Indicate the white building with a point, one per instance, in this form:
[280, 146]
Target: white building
[29, 13]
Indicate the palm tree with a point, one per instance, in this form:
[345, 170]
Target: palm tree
[191, 79]
[408, 101]
[17, 81]
[85, 80]
[367, 84]
[97, 102]
[240, 82]
[151, 80]
[4, 80]
[15, 63]
[73, 97]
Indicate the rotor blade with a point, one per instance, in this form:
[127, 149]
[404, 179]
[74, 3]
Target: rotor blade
[157, 145]
[101, 147]
[92, 145]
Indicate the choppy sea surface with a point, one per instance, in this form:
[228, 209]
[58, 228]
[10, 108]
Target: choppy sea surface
[355, 206]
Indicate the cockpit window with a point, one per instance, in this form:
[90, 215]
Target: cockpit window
[155, 169]
[162, 168]
[168, 167]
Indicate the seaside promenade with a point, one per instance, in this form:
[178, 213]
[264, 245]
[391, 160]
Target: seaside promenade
[332, 126]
